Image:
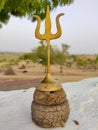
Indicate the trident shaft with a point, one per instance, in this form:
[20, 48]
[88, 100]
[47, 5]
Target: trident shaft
[48, 36]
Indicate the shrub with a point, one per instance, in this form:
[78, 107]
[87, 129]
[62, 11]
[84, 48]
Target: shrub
[9, 71]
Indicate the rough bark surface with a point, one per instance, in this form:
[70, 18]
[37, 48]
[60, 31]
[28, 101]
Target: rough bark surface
[50, 116]
[50, 109]
[49, 98]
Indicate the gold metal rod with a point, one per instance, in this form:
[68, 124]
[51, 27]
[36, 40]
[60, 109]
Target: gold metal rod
[48, 56]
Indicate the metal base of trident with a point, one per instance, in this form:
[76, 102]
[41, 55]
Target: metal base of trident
[50, 107]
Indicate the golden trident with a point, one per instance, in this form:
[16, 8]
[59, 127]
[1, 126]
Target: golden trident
[48, 36]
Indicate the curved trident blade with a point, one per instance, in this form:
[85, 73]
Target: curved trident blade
[48, 36]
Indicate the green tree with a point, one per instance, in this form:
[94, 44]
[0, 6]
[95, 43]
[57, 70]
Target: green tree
[96, 60]
[91, 63]
[27, 8]
[81, 63]
[61, 56]
[57, 56]
[69, 61]
[39, 55]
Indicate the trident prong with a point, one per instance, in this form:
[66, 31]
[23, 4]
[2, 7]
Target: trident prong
[48, 36]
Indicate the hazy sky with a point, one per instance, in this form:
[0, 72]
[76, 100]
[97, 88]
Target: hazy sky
[79, 29]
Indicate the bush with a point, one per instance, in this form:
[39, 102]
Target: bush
[9, 71]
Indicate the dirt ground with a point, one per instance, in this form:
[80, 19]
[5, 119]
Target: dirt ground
[32, 74]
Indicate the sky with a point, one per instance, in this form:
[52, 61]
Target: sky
[79, 30]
